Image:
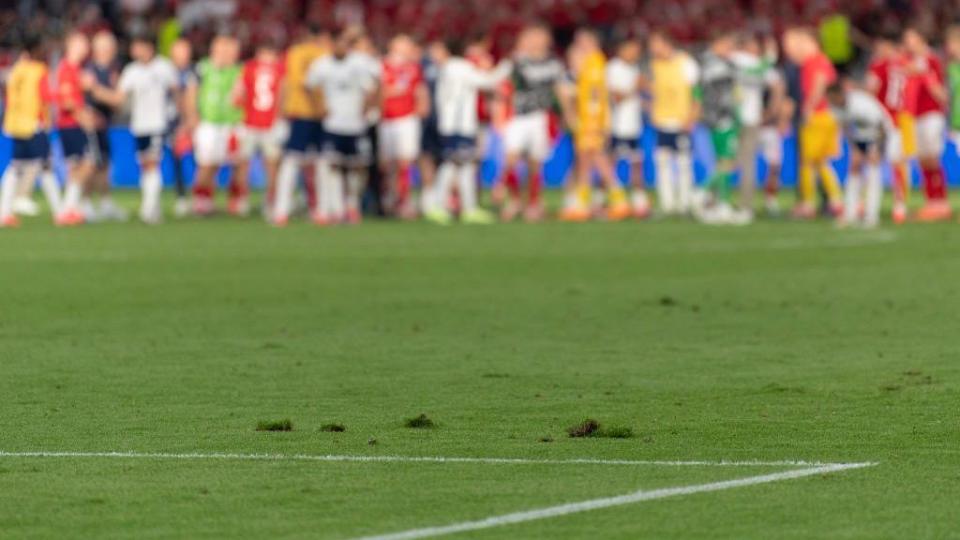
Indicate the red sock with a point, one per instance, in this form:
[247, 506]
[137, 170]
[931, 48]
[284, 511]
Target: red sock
[404, 182]
[310, 188]
[236, 190]
[934, 183]
[534, 187]
[512, 181]
[202, 192]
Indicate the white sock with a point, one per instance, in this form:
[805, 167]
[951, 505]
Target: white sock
[151, 188]
[852, 195]
[355, 184]
[874, 195]
[446, 177]
[71, 197]
[8, 191]
[335, 188]
[51, 190]
[665, 180]
[286, 184]
[468, 187]
[684, 180]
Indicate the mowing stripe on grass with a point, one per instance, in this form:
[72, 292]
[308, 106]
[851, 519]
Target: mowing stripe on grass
[417, 459]
[607, 502]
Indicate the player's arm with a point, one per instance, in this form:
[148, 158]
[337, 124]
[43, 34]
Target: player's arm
[566, 95]
[934, 81]
[312, 85]
[188, 105]
[115, 97]
[817, 92]
[47, 101]
[422, 97]
[488, 80]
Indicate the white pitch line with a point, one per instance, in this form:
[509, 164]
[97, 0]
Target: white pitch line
[595, 504]
[412, 459]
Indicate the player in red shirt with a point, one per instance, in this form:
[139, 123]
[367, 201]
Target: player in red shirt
[896, 89]
[74, 122]
[404, 102]
[932, 97]
[263, 133]
[820, 131]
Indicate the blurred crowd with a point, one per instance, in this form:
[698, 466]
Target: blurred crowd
[688, 21]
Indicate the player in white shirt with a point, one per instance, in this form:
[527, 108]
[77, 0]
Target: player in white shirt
[755, 74]
[458, 84]
[624, 81]
[873, 137]
[348, 90]
[146, 86]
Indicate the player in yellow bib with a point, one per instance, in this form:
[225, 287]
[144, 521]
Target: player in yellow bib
[303, 111]
[26, 121]
[674, 110]
[587, 112]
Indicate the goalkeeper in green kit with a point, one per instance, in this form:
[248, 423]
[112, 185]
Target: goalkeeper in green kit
[719, 96]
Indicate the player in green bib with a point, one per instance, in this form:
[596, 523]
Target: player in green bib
[215, 140]
[953, 80]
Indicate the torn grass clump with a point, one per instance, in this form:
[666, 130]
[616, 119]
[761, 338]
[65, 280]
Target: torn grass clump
[420, 422]
[592, 428]
[275, 425]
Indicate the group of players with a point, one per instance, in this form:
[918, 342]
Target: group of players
[330, 115]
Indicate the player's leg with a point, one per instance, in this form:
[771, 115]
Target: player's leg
[685, 184]
[294, 153]
[506, 192]
[468, 184]
[630, 152]
[210, 151]
[930, 143]
[80, 165]
[772, 144]
[747, 164]
[873, 187]
[666, 181]
[538, 146]
[906, 127]
[150, 150]
[272, 154]
[576, 198]
[618, 208]
[20, 169]
[435, 198]
[853, 192]
[407, 146]
[810, 144]
[250, 142]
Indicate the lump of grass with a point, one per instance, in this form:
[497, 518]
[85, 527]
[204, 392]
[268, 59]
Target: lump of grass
[592, 428]
[587, 428]
[275, 425]
[668, 301]
[333, 428]
[420, 422]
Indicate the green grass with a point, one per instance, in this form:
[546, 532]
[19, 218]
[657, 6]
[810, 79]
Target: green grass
[778, 341]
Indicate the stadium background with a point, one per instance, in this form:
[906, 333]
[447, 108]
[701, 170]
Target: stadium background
[689, 21]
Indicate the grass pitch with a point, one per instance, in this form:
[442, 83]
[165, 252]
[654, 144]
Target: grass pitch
[781, 341]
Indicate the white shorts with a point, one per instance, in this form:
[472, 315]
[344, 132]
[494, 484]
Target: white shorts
[931, 128]
[268, 142]
[529, 135]
[214, 144]
[771, 146]
[399, 139]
